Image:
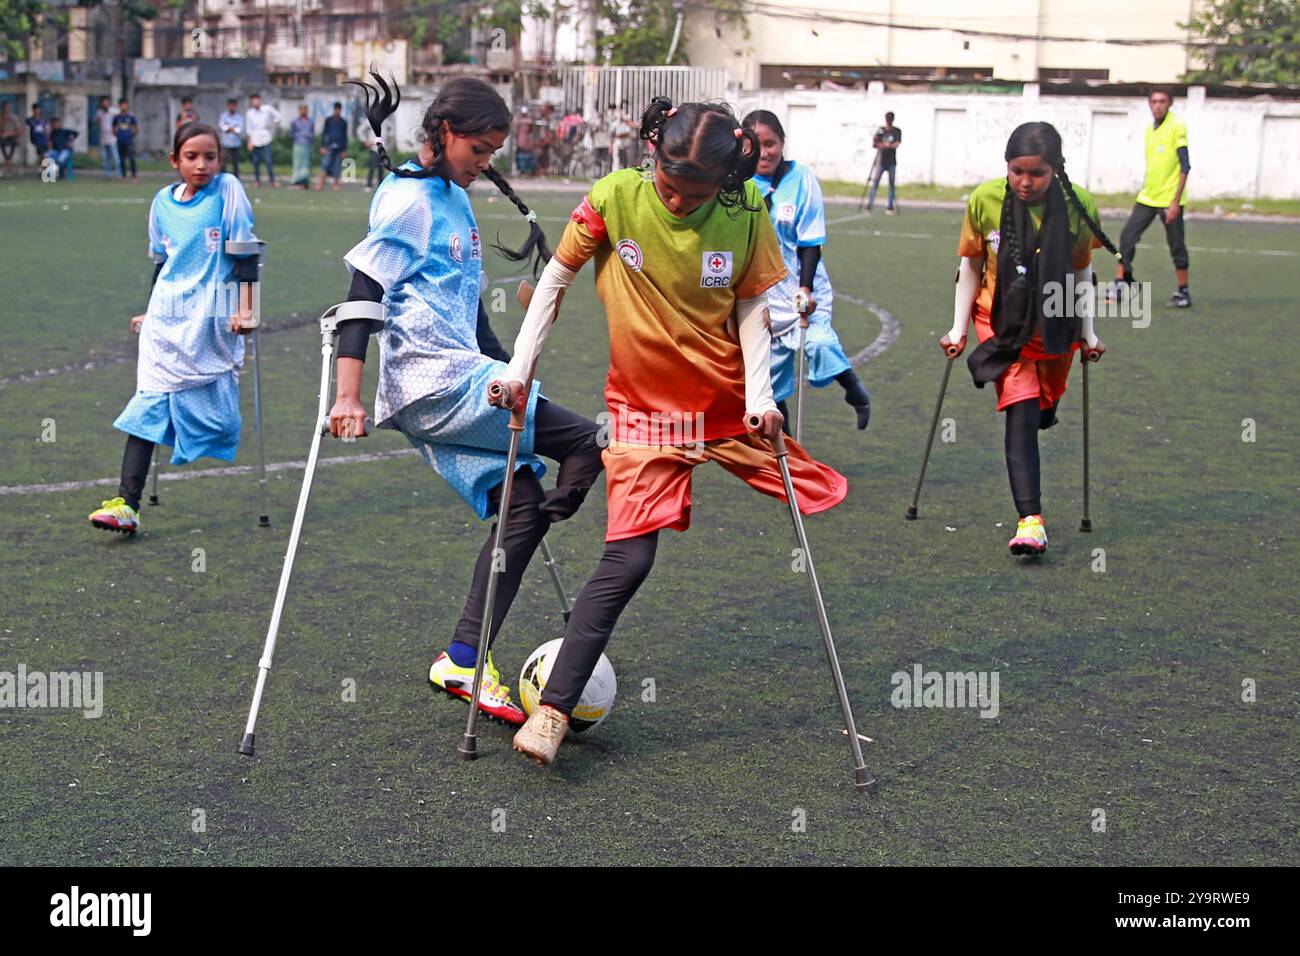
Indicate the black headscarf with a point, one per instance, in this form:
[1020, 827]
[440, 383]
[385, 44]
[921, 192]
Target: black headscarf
[1028, 260]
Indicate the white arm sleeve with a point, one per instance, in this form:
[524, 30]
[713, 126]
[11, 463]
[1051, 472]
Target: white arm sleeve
[969, 274]
[556, 277]
[755, 329]
[1086, 303]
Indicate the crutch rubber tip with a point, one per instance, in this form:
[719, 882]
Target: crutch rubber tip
[263, 521]
[863, 780]
[1085, 525]
[153, 499]
[468, 748]
[911, 513]
[245, 746]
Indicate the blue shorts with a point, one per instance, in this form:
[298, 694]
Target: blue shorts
[200, 422]
[465, 439]
[825, 358]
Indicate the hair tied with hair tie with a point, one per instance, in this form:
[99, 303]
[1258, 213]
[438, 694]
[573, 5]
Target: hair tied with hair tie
[532, 215]
[379, 141]
[670, 113]
[738, 132]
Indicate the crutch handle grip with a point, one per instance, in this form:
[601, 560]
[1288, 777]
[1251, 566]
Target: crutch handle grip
[502, 395]
[952, 349]
[366, 429]
[1093, 353]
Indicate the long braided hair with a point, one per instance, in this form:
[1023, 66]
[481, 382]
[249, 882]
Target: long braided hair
[704, 142]
[1042, 139]
[468, 107]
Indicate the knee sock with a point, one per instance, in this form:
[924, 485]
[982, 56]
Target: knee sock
[1023, 419]
[135, 469]
[856, 395]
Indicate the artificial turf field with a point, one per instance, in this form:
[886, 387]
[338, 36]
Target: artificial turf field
[1120, 690]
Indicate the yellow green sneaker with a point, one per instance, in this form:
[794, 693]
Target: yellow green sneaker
[1031, 536]
[116, 515]
[494, 697]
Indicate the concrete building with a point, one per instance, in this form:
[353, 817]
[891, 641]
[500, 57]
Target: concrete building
[847, 43]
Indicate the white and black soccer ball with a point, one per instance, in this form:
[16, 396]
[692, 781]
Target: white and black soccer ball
[597, 698]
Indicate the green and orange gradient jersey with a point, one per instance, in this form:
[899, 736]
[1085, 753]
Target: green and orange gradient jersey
[669, 286]
[980, 236]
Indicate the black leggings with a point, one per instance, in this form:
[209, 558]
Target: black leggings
[1024, 420]
[622, 569]
[135, 469]
[563, 436]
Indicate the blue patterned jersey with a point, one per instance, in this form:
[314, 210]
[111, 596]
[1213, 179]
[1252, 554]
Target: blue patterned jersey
[424, 248]
[186, 340]
[800, 220]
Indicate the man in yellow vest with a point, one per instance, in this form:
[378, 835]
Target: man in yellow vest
[1161, 195]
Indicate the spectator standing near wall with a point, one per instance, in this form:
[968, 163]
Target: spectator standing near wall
[125, 130]
[303, 131]
[10, 131]
[333, 143]
[260, 122]
[107, 139]
[230, 128]
[886, 141]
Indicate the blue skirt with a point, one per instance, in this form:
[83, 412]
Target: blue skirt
[465, 440]
[824, 355]
[200, 422]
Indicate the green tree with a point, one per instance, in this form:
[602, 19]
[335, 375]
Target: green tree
[640, 32]
[1257, 41]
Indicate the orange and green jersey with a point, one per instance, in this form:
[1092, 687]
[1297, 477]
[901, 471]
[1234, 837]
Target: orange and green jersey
[980, 236]
[669, 286]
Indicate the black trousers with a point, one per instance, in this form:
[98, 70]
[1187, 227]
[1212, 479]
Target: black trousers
[230, 159]
[622, 570]
[1139, 220]
[561, 435]
[136, 459]
[125, 154]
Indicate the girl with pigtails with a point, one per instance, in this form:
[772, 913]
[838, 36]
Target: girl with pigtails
[422, 259]
[685, 254]
[1024, 238]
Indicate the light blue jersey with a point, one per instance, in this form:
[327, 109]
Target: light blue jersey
[800, 220]
[186, 340]
[424, 248]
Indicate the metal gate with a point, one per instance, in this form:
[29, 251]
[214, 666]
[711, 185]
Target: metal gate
[596, 89]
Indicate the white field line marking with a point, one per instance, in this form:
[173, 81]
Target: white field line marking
[166, 475]
[888, 333]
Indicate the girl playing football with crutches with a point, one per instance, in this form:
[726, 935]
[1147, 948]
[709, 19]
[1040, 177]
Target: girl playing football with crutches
[794, 201]
[1026, 277]
[422, 259]
[684, 258]
[187, 394]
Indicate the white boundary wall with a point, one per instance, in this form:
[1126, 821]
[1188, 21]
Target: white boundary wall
[1239, 147]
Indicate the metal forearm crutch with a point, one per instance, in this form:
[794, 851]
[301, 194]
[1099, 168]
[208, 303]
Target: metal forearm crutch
[1085, 524]
[798, 409]
[245, 248]
[934, 423]
[468, 747]
[329, 323]
[862, 778]
[566, 609]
